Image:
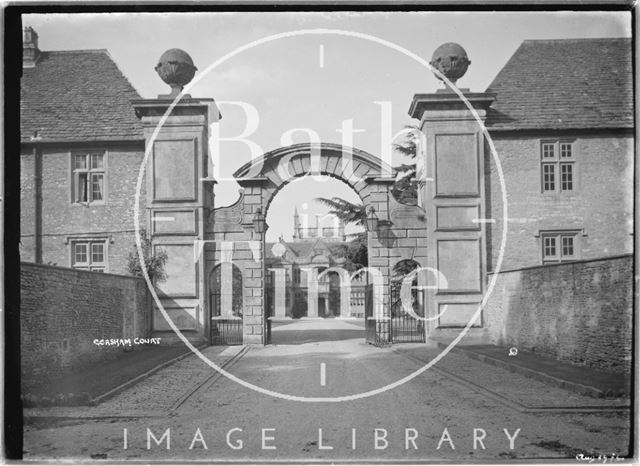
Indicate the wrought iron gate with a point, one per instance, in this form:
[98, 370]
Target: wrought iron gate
[225, 329]
[369, 320]
[268, 311]
[376, 332]
[405, 328]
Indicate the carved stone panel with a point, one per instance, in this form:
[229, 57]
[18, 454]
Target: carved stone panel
[457, 217]
[459, 262]
[174, 170]
[456, 165]
[181, 271]
[458, 314]
[168, 222]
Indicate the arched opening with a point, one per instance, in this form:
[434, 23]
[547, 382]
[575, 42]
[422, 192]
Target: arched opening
[307, 249]
[407, 303]
[250, 226]
[225, 301]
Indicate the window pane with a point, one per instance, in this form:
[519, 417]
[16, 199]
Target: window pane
[567, 246]
[81, 187]
[80, 253]
[97, 187]
[97, 161]
[566, 150]
[549, 246]
[80, 162]
[548, 150]
[566, 174]
[548, 177]
[97, 253]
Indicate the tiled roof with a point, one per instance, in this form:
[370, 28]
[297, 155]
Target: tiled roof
[304, 248]
[565, 84]
[77, 96]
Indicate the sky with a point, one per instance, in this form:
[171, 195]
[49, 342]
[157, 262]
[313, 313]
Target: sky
[314, 82]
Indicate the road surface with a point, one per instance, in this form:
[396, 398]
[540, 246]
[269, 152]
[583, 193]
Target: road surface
[434, 416]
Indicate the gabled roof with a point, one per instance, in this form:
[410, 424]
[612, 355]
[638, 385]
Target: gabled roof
[77, 96]
[269, 249]
[565, 84]
[303, 249]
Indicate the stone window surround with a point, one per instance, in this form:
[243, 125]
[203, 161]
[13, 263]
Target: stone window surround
[104, 239]
[575, 233]
[557, 162]
[72, 176]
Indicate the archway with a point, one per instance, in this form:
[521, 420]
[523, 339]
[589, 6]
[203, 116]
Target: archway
[308, 252]
[243, 223]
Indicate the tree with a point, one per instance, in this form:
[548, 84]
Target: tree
[409, 145]
[154, 262]
[401, 270]
[346, 211]
[405, 189]
[356, 254]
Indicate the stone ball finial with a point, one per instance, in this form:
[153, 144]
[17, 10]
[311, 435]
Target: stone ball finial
[451, 60]
[175, 67]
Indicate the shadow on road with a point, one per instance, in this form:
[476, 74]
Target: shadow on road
[299, 332]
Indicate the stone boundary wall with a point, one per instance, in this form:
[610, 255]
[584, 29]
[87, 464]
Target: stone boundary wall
[579, 312]
[63, 310]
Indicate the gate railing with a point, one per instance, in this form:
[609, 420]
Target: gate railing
[404, 327]
[376, 331]
[226, 330]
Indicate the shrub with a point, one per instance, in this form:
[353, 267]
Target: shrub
[154, 262]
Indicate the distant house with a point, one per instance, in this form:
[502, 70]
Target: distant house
[289, 263]
[563, 127]
[81, 150]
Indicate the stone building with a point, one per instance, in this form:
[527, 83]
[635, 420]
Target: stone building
[81, 149]
[560, 116]
[563, 126]
[293, 264]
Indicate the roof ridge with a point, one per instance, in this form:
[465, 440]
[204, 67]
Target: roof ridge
[77, 51]
[576, 39]
[81, 81]
[563, 84]
[126, 78]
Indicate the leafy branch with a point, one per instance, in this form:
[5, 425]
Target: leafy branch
[346, 211]
[154, 262]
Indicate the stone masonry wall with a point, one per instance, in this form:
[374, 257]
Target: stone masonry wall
[63, 310]
[579, 312]
[258, 195]
[601, 203]
[62, 219]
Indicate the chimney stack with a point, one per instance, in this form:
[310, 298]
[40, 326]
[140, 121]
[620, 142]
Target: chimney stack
[30, 50]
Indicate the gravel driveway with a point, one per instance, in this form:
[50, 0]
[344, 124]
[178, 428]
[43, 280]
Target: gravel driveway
[434, 416]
